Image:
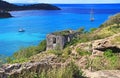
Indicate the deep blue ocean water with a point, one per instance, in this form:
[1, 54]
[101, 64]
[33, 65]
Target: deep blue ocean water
[38, 23]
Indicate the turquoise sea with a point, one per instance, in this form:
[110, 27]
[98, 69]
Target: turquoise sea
[38, 23]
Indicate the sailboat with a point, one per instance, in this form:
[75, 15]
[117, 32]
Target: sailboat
[92, 15]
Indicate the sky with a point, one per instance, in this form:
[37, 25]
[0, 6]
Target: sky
[64, 1]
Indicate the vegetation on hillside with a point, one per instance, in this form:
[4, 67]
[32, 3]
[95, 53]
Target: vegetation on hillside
[115, 19]
[109, 60]
[71, 71]
[2, 59]
[109, 28]
[24, 53]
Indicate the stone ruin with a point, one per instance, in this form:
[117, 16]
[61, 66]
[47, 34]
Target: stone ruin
[59, 39]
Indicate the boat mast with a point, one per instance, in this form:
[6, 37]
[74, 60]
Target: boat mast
[92, 15]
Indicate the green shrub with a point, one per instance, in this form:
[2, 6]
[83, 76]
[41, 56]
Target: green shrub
[2, 59]
[66, 52]
[13, 60]
[56, 52]
[77, 73]
[9, 59]
[81, 30]
[108, 53]
[82, 52]
[42, 46]
[102, 63]
[109, 61]
[93, 29]
[29, 51]
[71, 71]
[24, 53]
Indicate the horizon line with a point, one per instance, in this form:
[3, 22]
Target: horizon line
[60, 3]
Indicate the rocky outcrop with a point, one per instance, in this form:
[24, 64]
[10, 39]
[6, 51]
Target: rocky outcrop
[5, 15]
[12, 7]
[34, 66]
[97, 47]
[14, 70]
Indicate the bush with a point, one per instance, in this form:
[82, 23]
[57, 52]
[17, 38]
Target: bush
[56, 52]
[108, 53]
[77, 73]
[66, 52]
[71, 71]
[102, 63]
[81, 30]
[109, 61]
[82, 52]
[93, 29]
[24, 53]
[29, 51]
[2, 59]
[9, 59]
[42, 46]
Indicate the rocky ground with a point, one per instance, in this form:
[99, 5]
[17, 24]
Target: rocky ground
[102, 74]
[97, 47]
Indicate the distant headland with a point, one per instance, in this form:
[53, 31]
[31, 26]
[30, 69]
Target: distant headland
[12, 7]
[5, 7]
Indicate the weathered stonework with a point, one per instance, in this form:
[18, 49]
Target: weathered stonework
[58, 40]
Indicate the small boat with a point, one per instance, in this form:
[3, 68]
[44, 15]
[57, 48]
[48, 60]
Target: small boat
[21, 30]
[92, 16]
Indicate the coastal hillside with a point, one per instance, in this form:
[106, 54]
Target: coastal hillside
[82, 54]
[5, 15]
[12, 7]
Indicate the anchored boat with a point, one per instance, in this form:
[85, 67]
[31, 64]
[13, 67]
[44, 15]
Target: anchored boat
[21, 30]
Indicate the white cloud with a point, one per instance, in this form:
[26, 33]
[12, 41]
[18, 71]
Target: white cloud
[64, 1]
